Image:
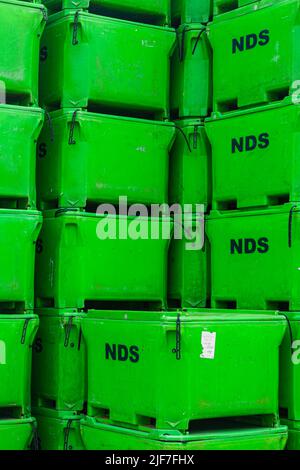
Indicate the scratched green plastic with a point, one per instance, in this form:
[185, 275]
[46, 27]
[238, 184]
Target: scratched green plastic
[19, 230]
[97, 436]
[59, 362]
[75, 266]
[146, 377]
[265, 277]
[21, 27]
[146, 11]
[110, 157]
[99, 70]
[17, 333]
[16, 434]
[191, 73]
[261, 73]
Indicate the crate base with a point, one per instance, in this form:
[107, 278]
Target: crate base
[17, 434]
[98, 436]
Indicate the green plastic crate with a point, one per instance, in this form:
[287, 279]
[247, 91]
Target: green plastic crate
[17, 434]
[223, 6]
[148, 11]
[19, 130]
[191, 73]
[187, 276]
[17, 333]
[190, 165]
[86, 62]
[75, 267]
[183, 348]
[97, 436]
[289, 370]
[58, 431]
[94, 158]
[254, 258]
[247, 146]
[293, 442]
[191, 11]
[21, 26]
[258, 61]
[58, 379]
[19, 230]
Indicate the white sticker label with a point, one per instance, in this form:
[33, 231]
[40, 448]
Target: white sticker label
[208, 343]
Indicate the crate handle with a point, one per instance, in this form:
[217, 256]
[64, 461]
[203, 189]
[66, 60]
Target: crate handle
[45, 14]
[67, 434]
[35, 439]
[177, 349]
[23, 338]
[50, 123]
[79, 338]
[197, 40]
[290, 330]
[68, 332]
[185, 137]
[75, 29]
[290, 226]
[195, 140]
[72, 141]
[181, 42]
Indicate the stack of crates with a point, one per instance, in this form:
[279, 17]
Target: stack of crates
[252, 232]
[105, 72]
[21, 26]
[128, 356]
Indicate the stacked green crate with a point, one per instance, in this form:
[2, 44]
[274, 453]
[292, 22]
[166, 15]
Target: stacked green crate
[110, 102]
[251, 234]
[181, 385]
[189, 183]
[21, 26]
[108, 135]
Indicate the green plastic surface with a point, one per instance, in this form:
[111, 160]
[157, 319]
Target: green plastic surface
[19, 130]
[258, 61]
[110, 65]
[255, 258]
[97, 436]
[146, 11]
[19, 230]
[21, 27]
[110, 157]
[190, 165]
[75, 267]
[169, 377]
[58, 432]
[17, 333]
[255, 157]
[191, 73]
[16, 434]
[187, 275]
[58, 380]
[191, 11]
